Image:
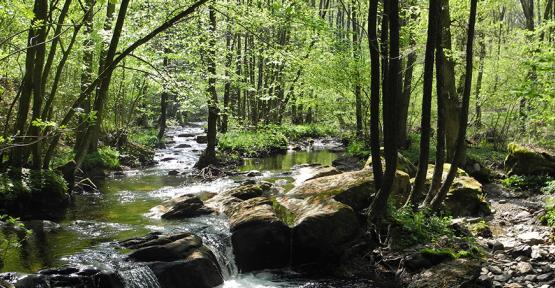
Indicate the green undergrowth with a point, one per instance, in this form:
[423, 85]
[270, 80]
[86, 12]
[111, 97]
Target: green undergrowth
[536, 184]
[144, 137]
[252, 144]
[359, 149]
[420, 227]
[104, 158]
[269, 139]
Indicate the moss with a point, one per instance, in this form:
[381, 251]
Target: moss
[445, 253]
[283, 213]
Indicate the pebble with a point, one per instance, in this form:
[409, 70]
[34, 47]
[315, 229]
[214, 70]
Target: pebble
[524, 267]
[544, 277]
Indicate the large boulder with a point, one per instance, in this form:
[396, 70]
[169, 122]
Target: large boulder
[178, 260]
[529, 161]
[403, 164]
[354, 189]
[465, 197]
[321, 227]
[260, 239]
[184, 206]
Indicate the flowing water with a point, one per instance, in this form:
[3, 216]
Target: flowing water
[122, 209]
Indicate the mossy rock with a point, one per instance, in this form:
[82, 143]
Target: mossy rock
[41, 194]
[403, 164]
[529, 161]
[354, 189]
[465, 196]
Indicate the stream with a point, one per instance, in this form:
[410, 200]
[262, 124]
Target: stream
[122, 209]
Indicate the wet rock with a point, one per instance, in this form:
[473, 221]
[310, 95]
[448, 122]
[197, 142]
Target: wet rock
[177, 260]
[202, 139]
[186, 135]
[173, 173]
[529, 161]
[260, 239]
[198, 270]
[456, 273]
[253, 173]
[181, 146]
[348, 163]
[83, 277]
[185, 206]
[403, 164]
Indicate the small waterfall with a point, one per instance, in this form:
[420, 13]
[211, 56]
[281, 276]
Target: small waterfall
[139, 277]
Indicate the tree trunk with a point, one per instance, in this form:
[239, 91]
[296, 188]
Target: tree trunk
[209, 155]
[425, 124]
[459, 156]
[479, 84]
[356, 57]
[403, 139]
[390, 118]
[90, 138]
[449, 91]
[374, 92]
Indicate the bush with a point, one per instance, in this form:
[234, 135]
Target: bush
[549, 187]
[104, 158]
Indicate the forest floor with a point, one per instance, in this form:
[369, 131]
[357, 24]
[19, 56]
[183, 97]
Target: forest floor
[522, 252]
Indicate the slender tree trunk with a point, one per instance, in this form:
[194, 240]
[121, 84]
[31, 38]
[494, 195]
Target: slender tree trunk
[440, 137]
[403, 139]
[209, 155]
[460, 151]
[449, 92]
[390, 108]
[425, 124]
[356, 57]
[479, 84]
[374, 93]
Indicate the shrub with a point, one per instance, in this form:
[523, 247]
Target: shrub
[549, 187]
